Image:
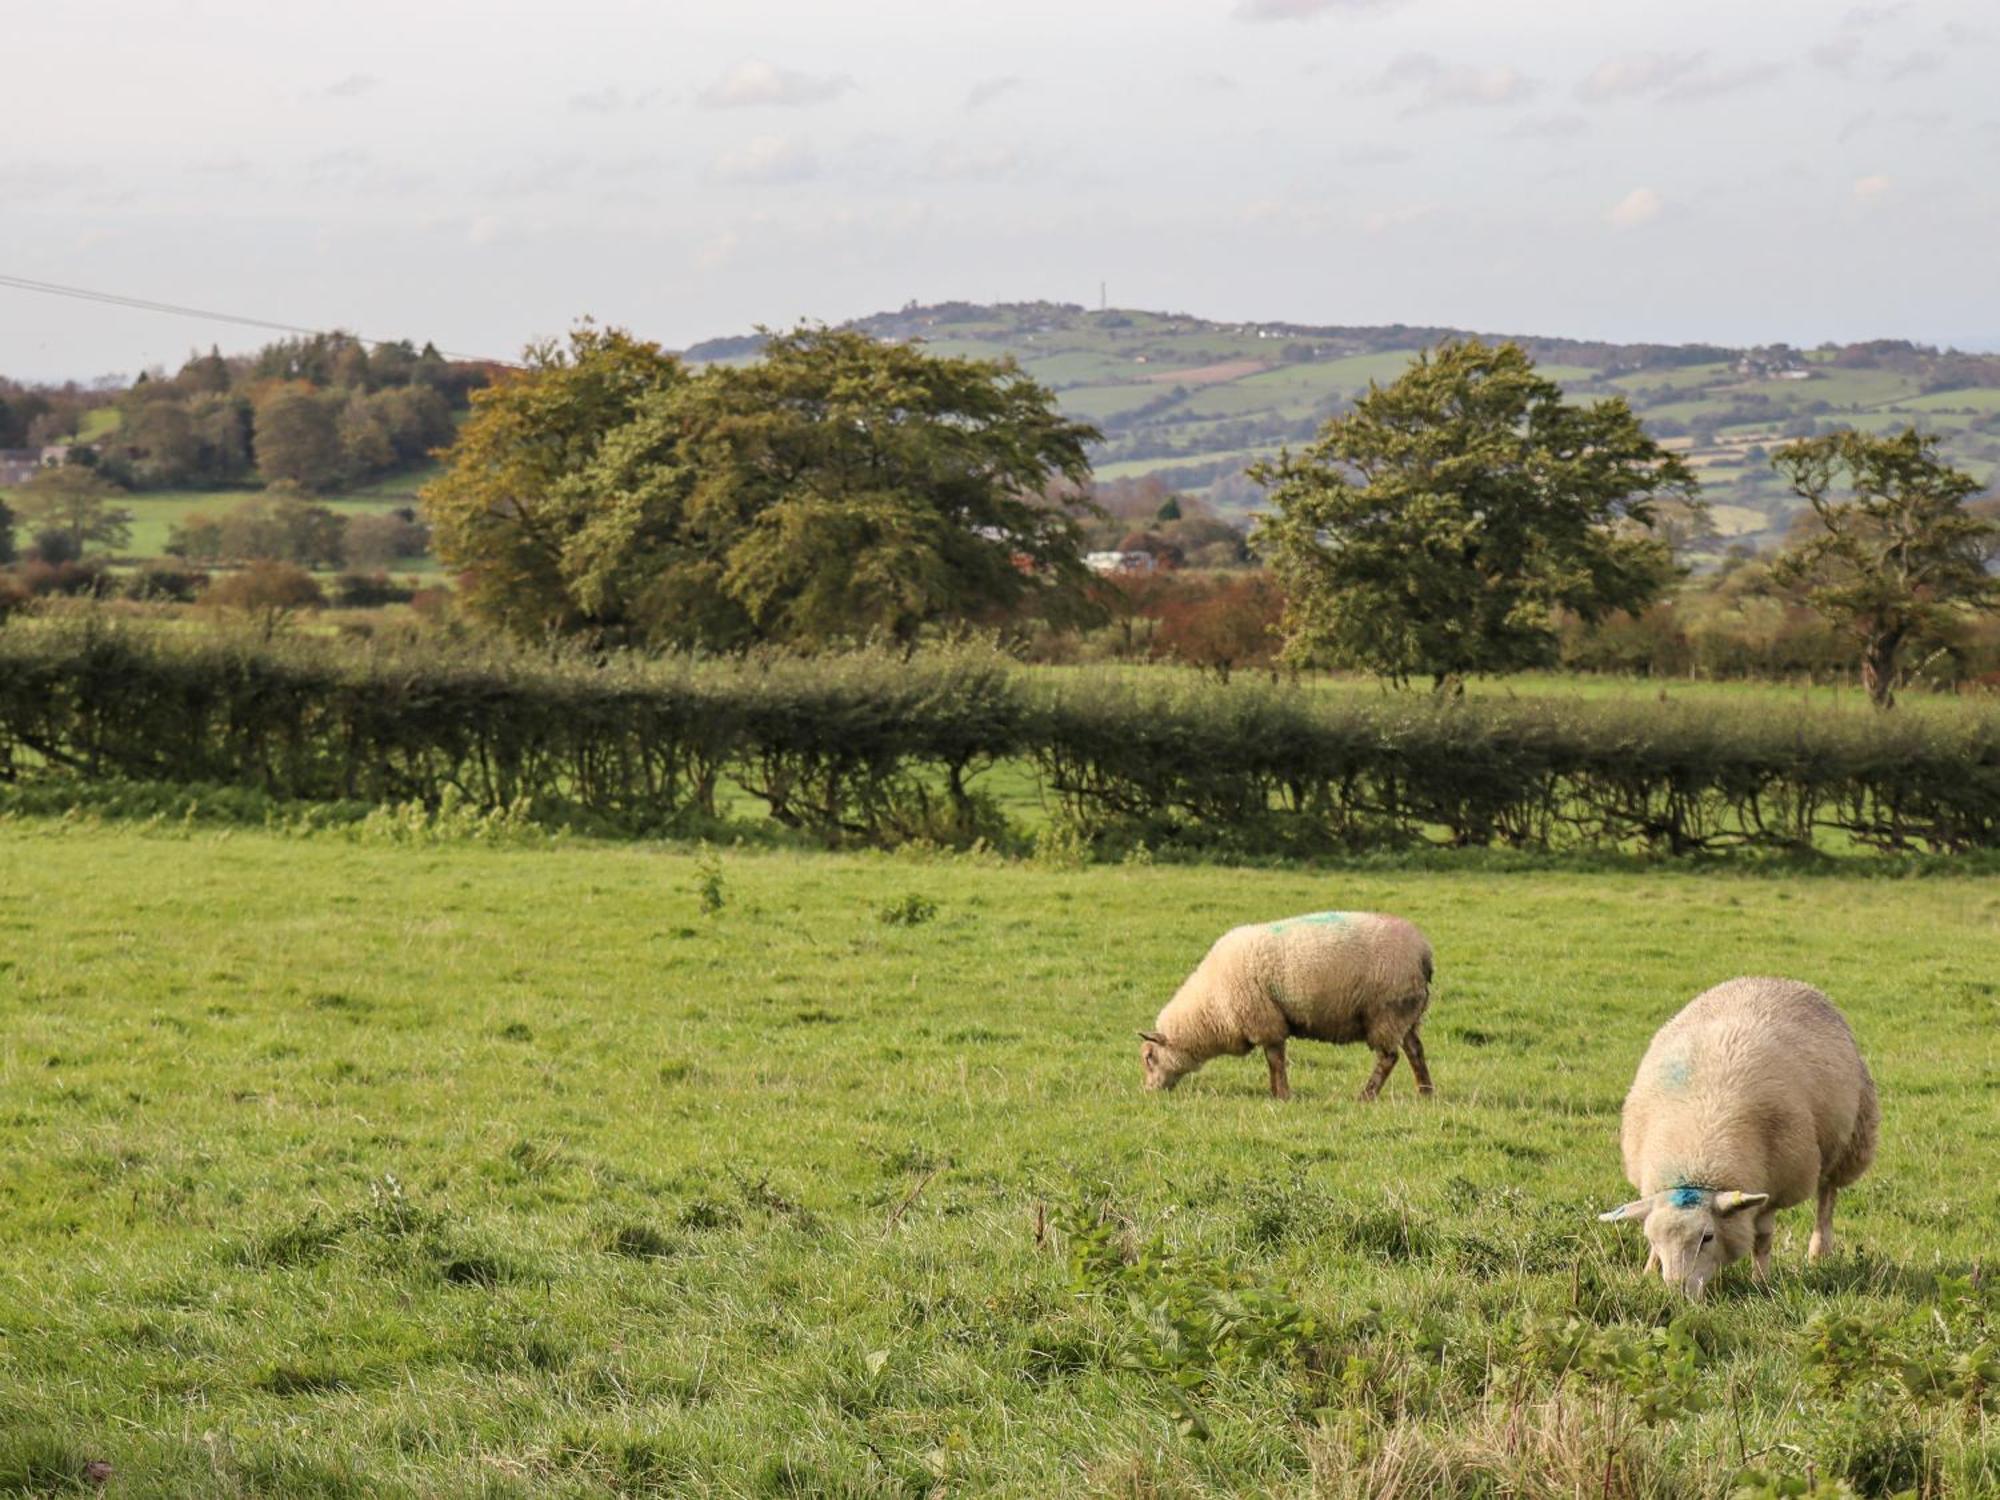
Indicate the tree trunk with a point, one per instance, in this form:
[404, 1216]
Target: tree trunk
[1878, 669]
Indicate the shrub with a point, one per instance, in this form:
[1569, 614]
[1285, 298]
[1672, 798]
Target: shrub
[879, 748]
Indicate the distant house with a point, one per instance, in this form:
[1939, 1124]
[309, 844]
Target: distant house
[19, 465]
[1120, 562]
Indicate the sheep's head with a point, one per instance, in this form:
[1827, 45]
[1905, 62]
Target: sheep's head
[1163, 1065]
[1695, 1232]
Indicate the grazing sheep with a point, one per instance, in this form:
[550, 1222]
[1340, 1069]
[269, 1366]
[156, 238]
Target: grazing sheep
[1752, 1099]
[1335, 976]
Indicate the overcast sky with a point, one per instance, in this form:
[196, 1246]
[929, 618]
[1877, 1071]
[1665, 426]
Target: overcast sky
[485, 173]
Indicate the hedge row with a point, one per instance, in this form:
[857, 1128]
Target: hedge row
[878, 748]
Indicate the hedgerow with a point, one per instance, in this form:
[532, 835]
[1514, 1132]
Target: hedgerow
[878, 747]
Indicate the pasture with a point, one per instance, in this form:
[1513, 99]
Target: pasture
[365, 1164]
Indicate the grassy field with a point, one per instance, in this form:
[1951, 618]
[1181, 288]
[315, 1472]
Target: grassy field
[337, 1167]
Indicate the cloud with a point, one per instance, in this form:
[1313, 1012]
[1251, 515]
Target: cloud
[1371, 154]
[766, 159]
[353, 86]
[757, 82]
[1874, 15]
[952, 163]
[1441, 85]
[1674, 76]
[1867, 189]
[1301, 10]
[1640, 206]
[986, 90]
[1913, 65]
[1383, 220]
[610, 101]
[1836, 56]
[1548, 127]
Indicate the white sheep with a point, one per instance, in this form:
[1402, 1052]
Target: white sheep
[1334, 976]
[1752, 1099]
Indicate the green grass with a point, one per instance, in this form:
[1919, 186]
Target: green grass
[337, 1168]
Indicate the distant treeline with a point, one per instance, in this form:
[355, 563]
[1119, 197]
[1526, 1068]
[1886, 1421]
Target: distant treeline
[882, 748]
[325, 413]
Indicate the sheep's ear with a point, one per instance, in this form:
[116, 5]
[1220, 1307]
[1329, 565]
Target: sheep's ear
[1153, 1037]
[1638, 1208]
[1731, 1201]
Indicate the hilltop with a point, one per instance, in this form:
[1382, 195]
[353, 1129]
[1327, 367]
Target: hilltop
[1193, 400]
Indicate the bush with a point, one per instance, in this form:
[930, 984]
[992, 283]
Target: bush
[883, 749]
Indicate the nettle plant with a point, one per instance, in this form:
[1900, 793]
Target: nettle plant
[1944, 1355]
[1193, 1319]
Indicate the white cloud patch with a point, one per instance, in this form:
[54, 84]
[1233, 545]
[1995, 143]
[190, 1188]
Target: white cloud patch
[610, 101]
[1836, 56]
[953, 163]
[353, 86]
[1432, 83]
[1867, 189]
[986, 90]
[1302, 10]
[1372, 154]
[1548, 127]
[766, 159]
[1640, 206]
[1913, 65]
[1386, 220]
[760, 83]
[1874, 15]
[1674, 76]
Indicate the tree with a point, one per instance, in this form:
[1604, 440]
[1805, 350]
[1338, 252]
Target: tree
[838, 486]
[500, 512]
[269, 594]
[298, 437]
[1440, 528]
[75, 503]
[1892, 556]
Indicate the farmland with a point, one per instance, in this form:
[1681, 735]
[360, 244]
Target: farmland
[1195, 400]
[341, 1167]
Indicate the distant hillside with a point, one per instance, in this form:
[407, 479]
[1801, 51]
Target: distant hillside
[1194, 400]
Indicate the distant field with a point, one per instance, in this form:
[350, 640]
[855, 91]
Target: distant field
[1246, 390]
[156, 513]
[345, 1170]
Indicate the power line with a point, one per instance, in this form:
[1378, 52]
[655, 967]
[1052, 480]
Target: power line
[146, 304]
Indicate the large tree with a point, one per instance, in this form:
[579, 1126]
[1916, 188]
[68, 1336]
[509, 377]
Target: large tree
[1889, 554]
[501, 512]
[298, 437]
[1441, 527]
[74, 502]
[836, 486]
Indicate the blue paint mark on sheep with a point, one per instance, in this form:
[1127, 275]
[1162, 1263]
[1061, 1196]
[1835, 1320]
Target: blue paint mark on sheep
[1685, 1197]
[1676, 1072]
[1317, 919]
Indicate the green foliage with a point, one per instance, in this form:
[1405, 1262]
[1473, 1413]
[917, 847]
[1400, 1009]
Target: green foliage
[1187, 1320]
[836, 488]
[908, 910]
[1437, 529]
[1897, 561]
[711, 893]
[75, 503]
[880, 748]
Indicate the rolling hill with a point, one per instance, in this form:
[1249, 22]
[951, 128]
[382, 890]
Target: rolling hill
[1194, 400]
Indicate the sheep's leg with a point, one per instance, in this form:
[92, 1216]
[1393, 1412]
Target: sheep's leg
[1413, 1049]
[1281, 1086]
[1821, 1245]
[1384, 1061]
[1652, 1261]
[1760, 1251]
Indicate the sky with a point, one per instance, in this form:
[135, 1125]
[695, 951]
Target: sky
[486, 174]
